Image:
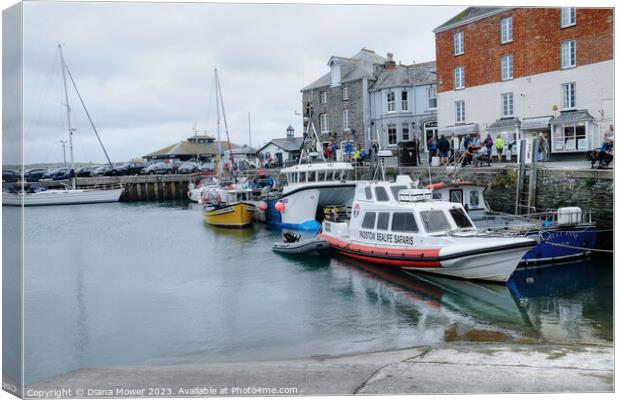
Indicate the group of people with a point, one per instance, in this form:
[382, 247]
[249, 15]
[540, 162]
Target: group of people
[464, 150]
[354, 154]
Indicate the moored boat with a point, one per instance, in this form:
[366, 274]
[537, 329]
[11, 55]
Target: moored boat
[397, 225]
[309, 188]
[567, 232]
[53, 197]
[195, 190]
[228, 208]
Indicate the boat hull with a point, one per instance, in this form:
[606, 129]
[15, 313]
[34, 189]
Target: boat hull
[62, 197]
[302, 204]
[562, 243]
[237, 215]
[487, 263]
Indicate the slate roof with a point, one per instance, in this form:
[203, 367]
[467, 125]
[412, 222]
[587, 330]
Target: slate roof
[186, 148]
[286, 144]
[359, 66]
[572, 116]
[468, 15]
[504, 123]
[404, 75]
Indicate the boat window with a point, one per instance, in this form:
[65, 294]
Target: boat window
[460, 218]
[404, 222]
[396, 189]
[321, 176]
[368, 193]
[456, 196]
[302, 177]
[381, 194]
[434, 221]
[369, 220]
[474, 198]
[311, 176]
[383, 221]
[437, 195]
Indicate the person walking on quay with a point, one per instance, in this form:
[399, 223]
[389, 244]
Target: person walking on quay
[466, 142]
[329, 151]
[357, 157]
[477, 141]
[334, 150]
[456, 147]
[432, 148]
[499, 147]
[488, 143]
[348, 149]
[444, 149]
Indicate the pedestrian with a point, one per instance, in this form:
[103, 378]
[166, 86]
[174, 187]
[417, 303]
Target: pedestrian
[444, 149]
[432, 148]
[348, 149]
[477, 140]
[357, 156]
[329, 152]
[334, 150]
[541, 147]
[456, 146]
[609, 134]
[488, 143]
[499, 147]
[466, 142]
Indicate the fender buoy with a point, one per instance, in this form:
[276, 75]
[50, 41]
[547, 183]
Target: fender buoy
[280, 206]
[263, 205]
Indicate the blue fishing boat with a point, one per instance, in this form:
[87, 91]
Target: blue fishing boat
[566, 232]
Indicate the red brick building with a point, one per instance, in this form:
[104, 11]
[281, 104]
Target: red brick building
[521, 71]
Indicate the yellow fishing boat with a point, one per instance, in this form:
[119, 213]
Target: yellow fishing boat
[229, 208]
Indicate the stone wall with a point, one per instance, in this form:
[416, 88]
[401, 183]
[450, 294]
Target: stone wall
[591, 190]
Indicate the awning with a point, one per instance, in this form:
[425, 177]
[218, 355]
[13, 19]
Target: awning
[466, 129]
[567, 117]
[536, 122]
[504, 124]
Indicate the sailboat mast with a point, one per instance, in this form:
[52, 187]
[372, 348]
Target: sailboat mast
[219, 90]
[249, 131]
[64, 81]
[219, 140]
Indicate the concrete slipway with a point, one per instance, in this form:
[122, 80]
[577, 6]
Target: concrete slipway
[450, 368]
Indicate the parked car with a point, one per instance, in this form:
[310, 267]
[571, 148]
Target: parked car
[159, 167]
[50, 174]
[9, 175]
[207, 166]
[102, 170]
[34, 174]
[128, 168]
[63, 174]
[83, 171]
[188, 167]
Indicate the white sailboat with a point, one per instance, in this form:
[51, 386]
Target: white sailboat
[70, 194]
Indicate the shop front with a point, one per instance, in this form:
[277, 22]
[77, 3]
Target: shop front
[508, 129]
[572, 132]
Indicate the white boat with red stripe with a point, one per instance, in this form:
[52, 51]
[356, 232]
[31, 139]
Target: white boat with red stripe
[397, 225]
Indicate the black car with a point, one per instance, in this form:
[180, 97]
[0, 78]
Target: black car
[34, 174]
[83, 171]
[63, 174]
[102, 170]
[9, 175]
[158, 168]
[128, 169]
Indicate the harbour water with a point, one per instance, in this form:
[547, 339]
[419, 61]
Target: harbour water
[150, 283]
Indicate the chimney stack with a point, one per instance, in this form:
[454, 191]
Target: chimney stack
[390, 63]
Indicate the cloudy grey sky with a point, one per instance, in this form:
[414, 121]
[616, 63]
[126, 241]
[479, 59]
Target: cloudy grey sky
[145, 70]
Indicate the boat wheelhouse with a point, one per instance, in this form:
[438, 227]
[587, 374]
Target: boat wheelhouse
[228, 207]
[309, 188]
[395, 224]
[567, 232]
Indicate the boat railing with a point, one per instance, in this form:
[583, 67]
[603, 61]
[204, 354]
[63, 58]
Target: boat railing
[566, 216]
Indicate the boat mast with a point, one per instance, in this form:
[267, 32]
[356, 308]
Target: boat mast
[63, 67]
[219, 142]
[219, 90]
[249, 132]
[92, 124]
